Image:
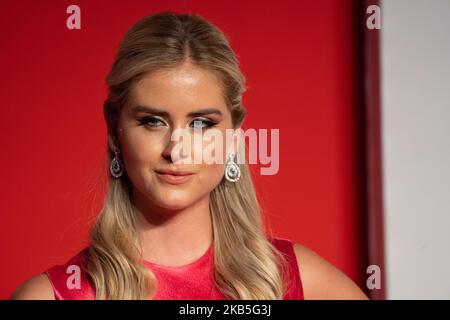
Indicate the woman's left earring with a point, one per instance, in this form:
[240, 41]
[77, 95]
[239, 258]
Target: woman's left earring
[116, 166]
[232, 171]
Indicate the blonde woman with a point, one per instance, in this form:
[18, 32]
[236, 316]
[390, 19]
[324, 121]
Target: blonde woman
[181, 231]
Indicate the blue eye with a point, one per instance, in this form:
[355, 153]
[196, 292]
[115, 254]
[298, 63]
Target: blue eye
[150, 121]
[203, 123]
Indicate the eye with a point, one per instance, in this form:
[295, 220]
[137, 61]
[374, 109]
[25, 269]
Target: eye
[151, 121]
[203, 123]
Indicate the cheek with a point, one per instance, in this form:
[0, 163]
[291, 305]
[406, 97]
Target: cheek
[210, 175]
[213, 150]
[140, 149]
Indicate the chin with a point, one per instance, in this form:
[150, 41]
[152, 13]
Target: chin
[174, 201]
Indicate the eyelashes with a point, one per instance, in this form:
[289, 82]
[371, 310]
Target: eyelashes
[204, 123]
[150, 121]
[155, 122]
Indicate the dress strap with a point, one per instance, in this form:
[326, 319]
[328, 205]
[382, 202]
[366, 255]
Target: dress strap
[292, 272]
[69, 280]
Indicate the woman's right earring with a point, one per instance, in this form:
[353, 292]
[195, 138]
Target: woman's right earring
[232, 170]
[116, 166]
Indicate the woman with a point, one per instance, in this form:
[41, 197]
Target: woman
[180, 230]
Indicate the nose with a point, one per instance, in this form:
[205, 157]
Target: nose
[167, 152]
[175, 151]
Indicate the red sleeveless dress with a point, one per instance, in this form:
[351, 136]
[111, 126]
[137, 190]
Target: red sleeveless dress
[193, 281]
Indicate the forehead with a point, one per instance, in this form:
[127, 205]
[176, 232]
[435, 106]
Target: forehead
[180, 89]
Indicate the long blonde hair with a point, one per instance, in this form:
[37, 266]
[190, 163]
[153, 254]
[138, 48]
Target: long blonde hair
[247, 265]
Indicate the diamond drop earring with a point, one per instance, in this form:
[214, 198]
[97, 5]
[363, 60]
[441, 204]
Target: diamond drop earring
[116, 166]
[232, 171]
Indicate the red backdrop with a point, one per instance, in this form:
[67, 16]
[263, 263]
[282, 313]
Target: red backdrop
[301, 63]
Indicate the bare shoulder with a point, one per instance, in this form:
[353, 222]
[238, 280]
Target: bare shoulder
[37, 287]
[322, 280]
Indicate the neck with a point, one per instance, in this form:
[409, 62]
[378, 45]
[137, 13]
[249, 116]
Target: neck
[173, 236]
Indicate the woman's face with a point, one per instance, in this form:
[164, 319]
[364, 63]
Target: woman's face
[160, 103]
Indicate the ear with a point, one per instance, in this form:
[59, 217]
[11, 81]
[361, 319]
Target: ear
[237, 142]
[112, 144]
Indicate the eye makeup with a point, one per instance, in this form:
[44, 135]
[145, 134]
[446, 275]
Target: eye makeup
[156, 117]
[150, 121]
[207, 123]
[154, 122]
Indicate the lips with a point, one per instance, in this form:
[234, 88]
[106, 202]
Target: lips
[174, 172]
[174, 176]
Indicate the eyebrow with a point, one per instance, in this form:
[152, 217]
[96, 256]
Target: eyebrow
[159, 112]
